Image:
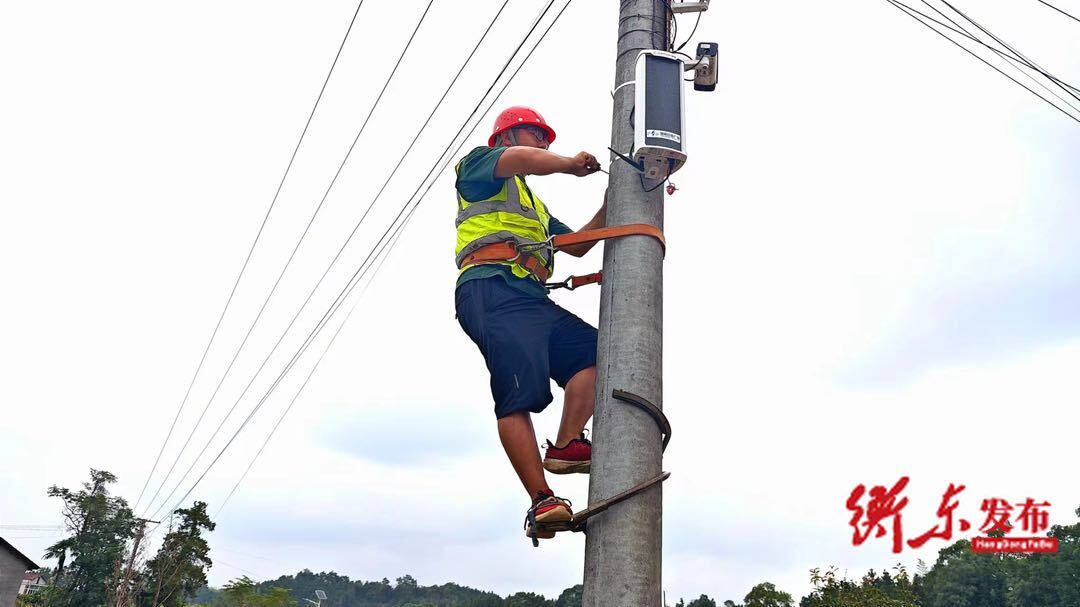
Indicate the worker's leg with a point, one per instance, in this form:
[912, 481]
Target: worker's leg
[578, 403]
[519, 441]
[511, 330]
[572, 356]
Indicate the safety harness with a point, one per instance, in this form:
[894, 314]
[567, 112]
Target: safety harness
[524, 253]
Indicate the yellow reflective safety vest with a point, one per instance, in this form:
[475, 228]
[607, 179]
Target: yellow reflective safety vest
[513, 213]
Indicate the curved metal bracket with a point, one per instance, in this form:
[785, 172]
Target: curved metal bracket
[646, 406]
[580, 519]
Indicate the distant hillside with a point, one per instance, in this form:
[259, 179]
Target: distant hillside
[404, 592]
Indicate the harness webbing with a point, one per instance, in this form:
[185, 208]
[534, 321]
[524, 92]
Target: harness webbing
[521, 253]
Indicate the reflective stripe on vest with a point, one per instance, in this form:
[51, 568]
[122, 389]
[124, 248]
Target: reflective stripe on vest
[512, 214]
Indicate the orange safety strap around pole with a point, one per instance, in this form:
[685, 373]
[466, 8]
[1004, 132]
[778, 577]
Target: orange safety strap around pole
[632, 229]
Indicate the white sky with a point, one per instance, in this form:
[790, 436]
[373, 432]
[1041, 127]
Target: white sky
[871, 272]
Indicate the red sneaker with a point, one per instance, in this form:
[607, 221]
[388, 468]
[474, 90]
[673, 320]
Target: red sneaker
[546, 508]
[576, 456]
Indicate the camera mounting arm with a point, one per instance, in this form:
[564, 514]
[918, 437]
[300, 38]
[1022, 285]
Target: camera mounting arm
[690, 7]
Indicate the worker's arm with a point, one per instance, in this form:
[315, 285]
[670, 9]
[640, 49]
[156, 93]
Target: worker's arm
[524, 160]
[598, 221]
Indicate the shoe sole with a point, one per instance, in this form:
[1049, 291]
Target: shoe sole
[555, 515]
[562, 466]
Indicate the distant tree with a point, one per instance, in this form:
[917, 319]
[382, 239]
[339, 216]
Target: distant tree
[765, 594]
[244, 592]
[178, 570]
[1039, 580]
[571, 597]
[240, 592]
[961, 578]
[702, 601]
[99, 527]
[873, 590]
[528, 599]
[343, 592]
[730, 603]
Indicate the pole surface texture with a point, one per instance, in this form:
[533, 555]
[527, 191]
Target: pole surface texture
[622, 546]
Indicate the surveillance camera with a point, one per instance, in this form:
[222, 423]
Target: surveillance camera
[705, 72]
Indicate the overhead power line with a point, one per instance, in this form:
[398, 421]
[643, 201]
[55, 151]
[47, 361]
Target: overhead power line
[1068, 88]
[391, 243]
[378, 267]
[912, 12]
[1059, 10]
[344, 245]
[365, 265]
[247, 259]
[1010, 53]
[311, 372]
[277, 282]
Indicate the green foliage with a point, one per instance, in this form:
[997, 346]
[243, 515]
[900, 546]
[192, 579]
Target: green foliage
[1048, 579]
[961, 578]
[343, 592]
[571, 597]
[873, 591]
[958, 578]
[765, 594]
[244, 592]
[527, 599]
[90, 557]
[179, 569]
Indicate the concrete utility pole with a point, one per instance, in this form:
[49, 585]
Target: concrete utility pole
[622, 546]
[123, 593]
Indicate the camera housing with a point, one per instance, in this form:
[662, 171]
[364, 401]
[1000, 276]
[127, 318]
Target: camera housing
[705, 71]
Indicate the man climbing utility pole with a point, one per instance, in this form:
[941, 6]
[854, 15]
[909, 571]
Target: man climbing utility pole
[622, 546]
[502, 303]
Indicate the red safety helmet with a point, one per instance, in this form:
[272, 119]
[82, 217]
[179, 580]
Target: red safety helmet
[519, 115]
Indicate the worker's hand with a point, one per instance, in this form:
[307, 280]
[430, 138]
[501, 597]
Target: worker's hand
[583, 164]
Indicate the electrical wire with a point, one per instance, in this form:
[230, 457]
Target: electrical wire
[345, 244]
[697, 22]
[1059, 10]
[318, 361]
[1015, 57]
[354, 280]
[672, 26]
[665, 44]
[1029, 62]
[288, 262]
[400, 161]
[956, 28]
[365, 265]
[901, 7]
[247, 259]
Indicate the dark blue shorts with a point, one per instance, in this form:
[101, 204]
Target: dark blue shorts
[526, 341]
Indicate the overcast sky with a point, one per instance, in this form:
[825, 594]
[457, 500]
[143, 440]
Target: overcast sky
[872, 272]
